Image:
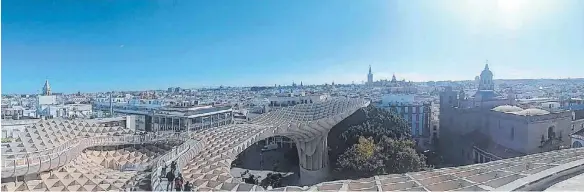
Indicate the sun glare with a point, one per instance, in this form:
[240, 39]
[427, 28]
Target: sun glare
[512, 13]
[508, 15]
[511, 5]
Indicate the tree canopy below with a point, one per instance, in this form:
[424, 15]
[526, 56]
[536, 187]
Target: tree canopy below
[377, 123]
[377, 142]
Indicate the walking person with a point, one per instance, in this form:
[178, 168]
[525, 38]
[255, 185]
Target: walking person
[170, 177]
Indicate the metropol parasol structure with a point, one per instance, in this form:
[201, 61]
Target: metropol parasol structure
[59, 155]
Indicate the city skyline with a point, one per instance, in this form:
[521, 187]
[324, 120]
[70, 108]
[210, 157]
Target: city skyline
[141, 45]
[302, 95]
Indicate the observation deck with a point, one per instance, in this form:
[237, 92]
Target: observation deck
[205, 156]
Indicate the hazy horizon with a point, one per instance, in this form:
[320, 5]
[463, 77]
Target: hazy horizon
[283, 85]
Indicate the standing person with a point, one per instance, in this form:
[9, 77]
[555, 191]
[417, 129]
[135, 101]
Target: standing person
[170, 182]
[178, 183]
[163, 173]
[173, 166]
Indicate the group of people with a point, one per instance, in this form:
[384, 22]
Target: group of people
[175, 181]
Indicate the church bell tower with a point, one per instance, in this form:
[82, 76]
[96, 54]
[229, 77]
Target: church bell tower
[369, 76]
[46, 88]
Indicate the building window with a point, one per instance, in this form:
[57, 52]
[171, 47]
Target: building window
[434, 128]
[551, 133]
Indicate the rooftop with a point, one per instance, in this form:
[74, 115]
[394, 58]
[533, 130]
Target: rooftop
[523, 112]
[507, 109]
[484, 143]
[573, 107]
[532, 112]
[187, 112]
[485, 95]
[578, 134]
[208, 166]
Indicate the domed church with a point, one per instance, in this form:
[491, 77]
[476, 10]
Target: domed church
[487, 126]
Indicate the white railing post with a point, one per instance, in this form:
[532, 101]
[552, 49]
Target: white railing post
[27, 164]
[14, 170]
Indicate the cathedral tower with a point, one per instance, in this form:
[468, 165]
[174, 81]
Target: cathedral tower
[369, 76]
[46, 88]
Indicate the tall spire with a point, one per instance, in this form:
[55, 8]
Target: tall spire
[46, 88]
[370, 76]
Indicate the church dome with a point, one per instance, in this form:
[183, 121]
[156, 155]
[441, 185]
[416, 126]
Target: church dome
[532, 112]
[507, 109]
[486, 72]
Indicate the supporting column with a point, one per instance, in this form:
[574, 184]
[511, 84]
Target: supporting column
[313, 160]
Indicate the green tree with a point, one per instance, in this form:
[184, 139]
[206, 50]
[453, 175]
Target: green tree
[377, 123]
[361, 160]
[366, 158]
[399, 156]
[380, 144]
[7, 140]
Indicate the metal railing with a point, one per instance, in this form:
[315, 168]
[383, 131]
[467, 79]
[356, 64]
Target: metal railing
[182, 155]
[157, 164]
[34, 162]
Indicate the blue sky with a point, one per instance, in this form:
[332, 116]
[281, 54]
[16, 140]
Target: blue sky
[101, 45]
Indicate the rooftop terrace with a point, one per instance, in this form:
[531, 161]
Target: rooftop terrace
[207, 163]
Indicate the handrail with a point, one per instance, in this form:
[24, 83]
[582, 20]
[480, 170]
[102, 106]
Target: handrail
[192, 148]
[43, 162]
[65, 146]
[43, 150]
[158, 162]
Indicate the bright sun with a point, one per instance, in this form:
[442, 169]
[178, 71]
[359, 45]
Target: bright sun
[509, 15]
[512, 13]
[511, 5]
